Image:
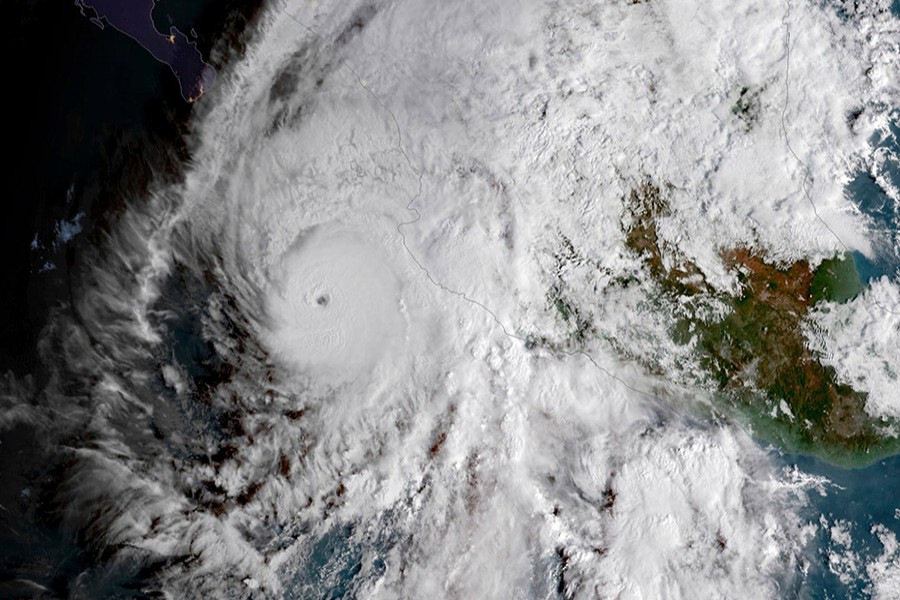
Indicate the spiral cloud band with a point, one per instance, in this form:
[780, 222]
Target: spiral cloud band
[324, 363]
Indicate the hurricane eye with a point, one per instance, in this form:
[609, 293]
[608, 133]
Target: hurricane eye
[333, 305]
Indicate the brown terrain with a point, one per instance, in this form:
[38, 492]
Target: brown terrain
[757, 356]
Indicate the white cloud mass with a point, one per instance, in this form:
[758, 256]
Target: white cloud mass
[376, 195]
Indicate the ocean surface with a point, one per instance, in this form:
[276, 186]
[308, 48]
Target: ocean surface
[93, 118]
[868, 497]
[861, 498]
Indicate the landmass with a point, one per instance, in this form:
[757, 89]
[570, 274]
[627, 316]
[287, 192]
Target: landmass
[756, 356]
[134, 18]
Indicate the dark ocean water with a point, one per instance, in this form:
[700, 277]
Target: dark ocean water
[861, 497]
[882, 212]
[76, 110]
[92, 119]
[870, 496]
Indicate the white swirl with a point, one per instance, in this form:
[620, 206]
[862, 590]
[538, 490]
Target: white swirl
[336, 308]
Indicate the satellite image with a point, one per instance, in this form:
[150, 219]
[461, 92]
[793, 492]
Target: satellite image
[533, 299]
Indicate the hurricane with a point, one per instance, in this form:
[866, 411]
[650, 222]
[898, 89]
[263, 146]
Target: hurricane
[422, 313]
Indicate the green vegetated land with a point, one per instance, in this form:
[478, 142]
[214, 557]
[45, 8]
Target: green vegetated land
[756, 355]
